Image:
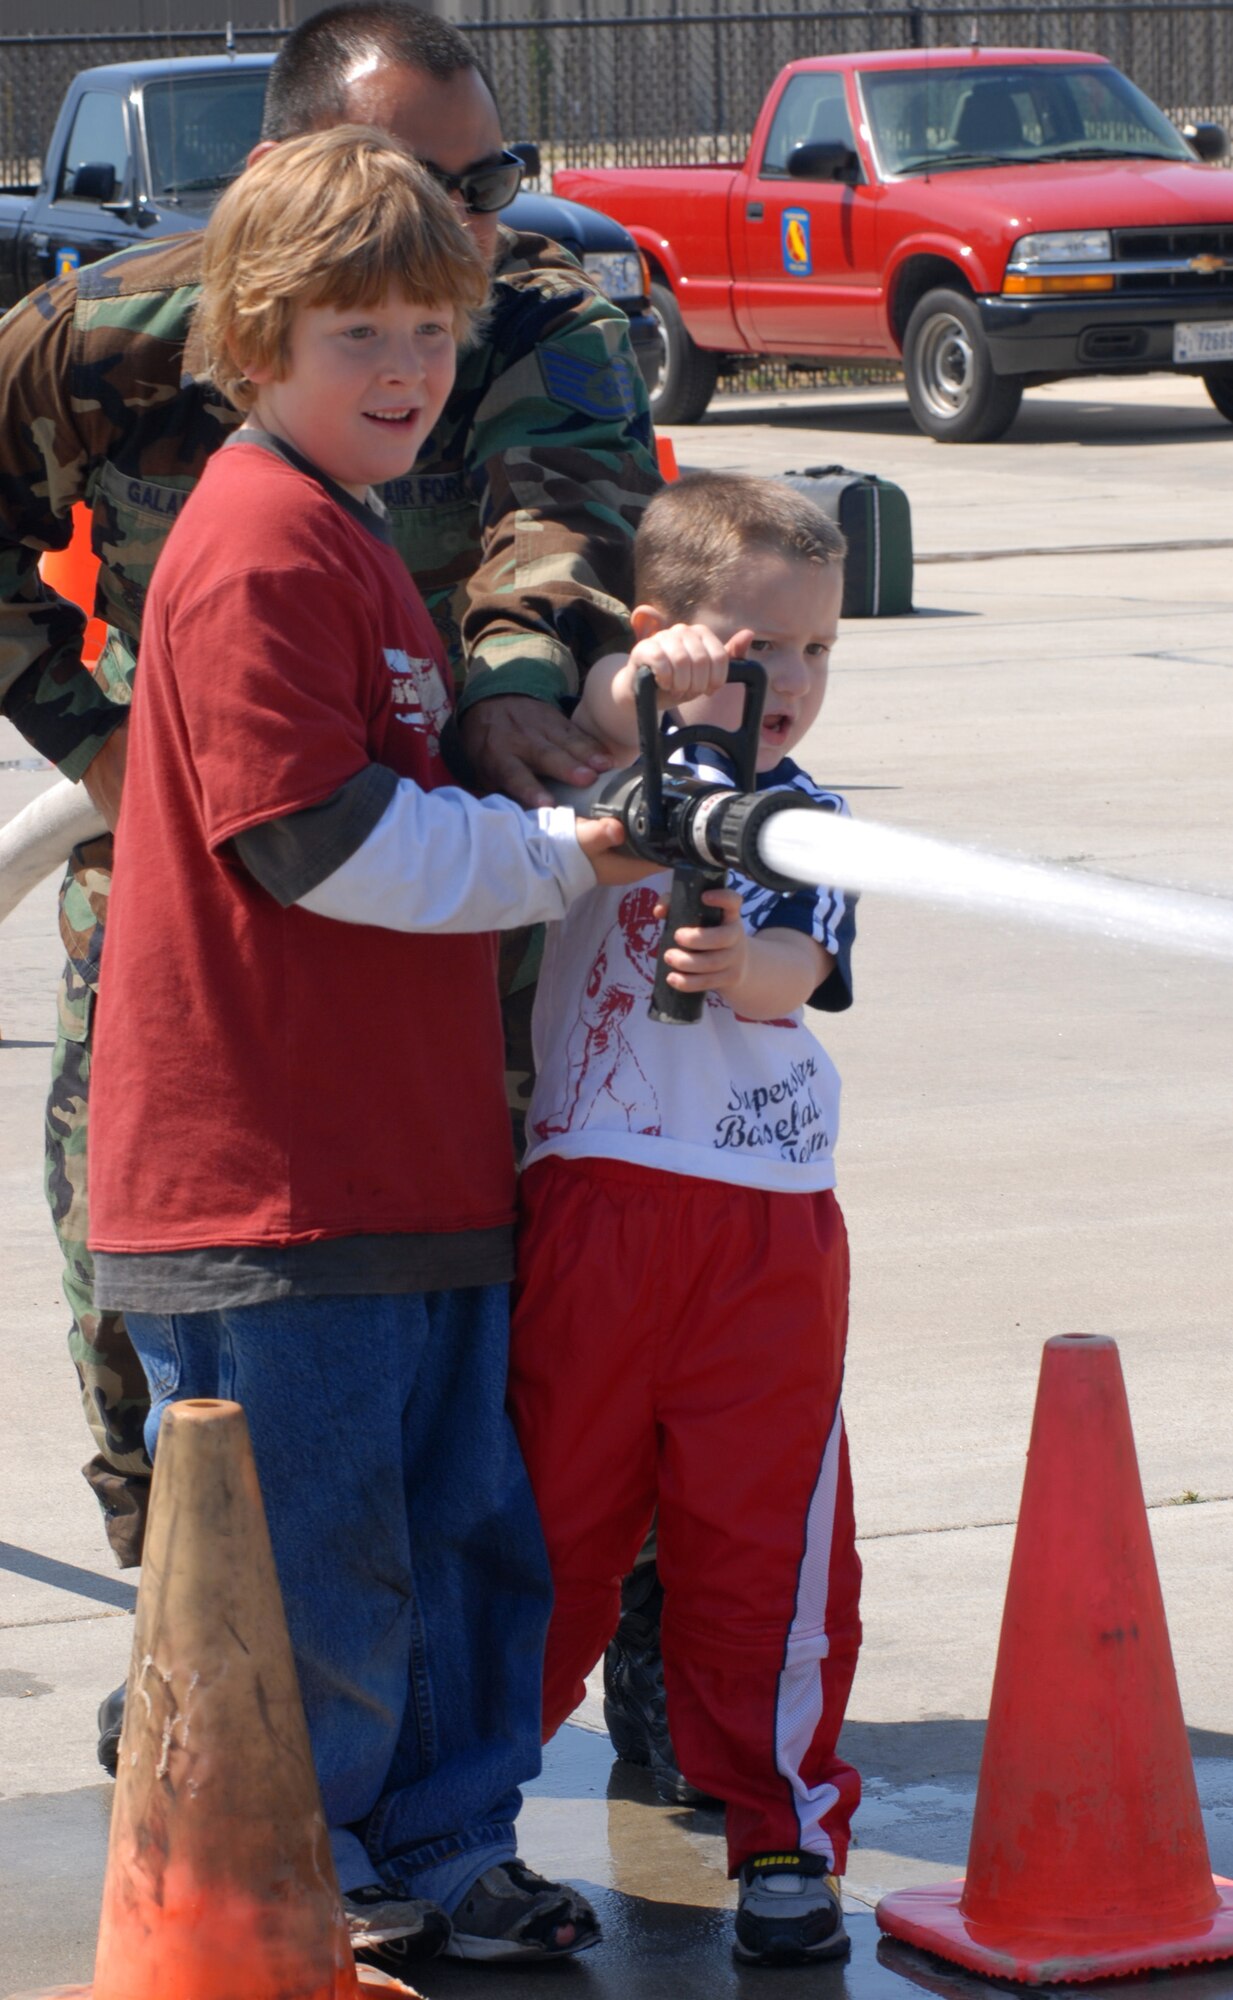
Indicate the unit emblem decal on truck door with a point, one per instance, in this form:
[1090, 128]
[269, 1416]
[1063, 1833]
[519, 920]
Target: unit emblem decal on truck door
[797, 259]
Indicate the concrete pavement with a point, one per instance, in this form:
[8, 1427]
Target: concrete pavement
[1036, 1139]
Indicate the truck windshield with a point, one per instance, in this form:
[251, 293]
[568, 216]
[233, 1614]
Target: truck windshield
[926, 120]
[201, 129]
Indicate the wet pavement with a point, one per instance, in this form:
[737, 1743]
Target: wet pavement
[655, 1874]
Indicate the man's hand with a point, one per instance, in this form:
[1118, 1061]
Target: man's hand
[513, 742]
[103, 777]
[597, 838]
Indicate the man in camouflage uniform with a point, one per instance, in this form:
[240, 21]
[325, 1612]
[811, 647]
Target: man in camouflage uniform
[517, 523]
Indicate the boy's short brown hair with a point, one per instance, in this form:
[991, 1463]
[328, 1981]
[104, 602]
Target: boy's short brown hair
[338, 218]
[696, 533]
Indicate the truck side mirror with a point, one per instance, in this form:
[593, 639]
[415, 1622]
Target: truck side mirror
[1210, 142]
[96, 181]
[528, 152]
[824, 160]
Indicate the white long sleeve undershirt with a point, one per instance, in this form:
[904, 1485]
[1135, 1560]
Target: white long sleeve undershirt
[444, 861]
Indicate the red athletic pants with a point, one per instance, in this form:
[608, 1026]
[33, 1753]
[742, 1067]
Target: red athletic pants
[680, 1342]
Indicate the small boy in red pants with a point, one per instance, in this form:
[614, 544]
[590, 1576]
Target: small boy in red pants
[682, 1295]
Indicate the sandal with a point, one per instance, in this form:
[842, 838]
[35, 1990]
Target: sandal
[511, 1912]
[391, 1931]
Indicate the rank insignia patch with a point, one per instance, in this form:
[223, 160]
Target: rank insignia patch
[597, 388]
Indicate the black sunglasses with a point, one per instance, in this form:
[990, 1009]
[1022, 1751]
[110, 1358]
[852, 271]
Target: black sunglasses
[484, 189]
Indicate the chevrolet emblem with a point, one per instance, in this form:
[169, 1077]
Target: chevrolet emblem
[1205, 267]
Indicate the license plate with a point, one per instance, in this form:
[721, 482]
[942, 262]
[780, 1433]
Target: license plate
[1209, 340]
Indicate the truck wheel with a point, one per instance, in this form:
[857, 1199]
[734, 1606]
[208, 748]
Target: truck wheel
[685, 380]
[1219, 385]
[954, 394]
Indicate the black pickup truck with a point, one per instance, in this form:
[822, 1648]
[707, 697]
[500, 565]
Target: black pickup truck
[141, 150]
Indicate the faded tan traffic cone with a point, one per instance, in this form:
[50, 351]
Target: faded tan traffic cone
[220, 1882]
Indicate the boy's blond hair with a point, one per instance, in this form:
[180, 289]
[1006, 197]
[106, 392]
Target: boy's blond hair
[696, 533]
[339, 218]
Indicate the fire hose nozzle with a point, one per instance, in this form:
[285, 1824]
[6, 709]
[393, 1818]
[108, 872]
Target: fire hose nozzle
[725, 828]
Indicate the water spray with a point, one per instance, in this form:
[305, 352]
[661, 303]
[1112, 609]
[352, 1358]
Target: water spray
[861, 854]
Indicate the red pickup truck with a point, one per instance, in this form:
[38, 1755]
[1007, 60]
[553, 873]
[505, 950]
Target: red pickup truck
[997, 218]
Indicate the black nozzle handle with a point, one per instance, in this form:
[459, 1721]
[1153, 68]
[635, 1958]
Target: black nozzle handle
[685, 908]
[739, 746]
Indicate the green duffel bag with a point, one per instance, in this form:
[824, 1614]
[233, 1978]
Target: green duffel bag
[877, 523]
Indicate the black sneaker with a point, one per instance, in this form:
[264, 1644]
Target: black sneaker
[110, 1723]
[788, 1911]
[393, 1932]
[635, 1706]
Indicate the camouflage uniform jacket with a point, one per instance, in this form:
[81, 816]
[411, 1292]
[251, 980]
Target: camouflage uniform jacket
[517, 521]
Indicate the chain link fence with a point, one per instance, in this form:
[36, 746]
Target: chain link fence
[644, 86]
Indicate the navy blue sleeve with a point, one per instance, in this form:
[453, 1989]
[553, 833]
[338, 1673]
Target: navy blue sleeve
[829, 917]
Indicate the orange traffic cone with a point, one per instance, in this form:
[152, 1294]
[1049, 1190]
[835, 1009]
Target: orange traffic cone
[1088, 1856]
[72, 573]
[665, 453]
[220, 1883]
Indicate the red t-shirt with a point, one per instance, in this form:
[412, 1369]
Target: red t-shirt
[263, 1075]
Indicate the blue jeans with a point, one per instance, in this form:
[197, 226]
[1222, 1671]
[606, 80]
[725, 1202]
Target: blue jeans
[409, 1554]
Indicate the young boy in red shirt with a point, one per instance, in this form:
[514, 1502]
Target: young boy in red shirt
[301, 1178]
[697, 1352]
